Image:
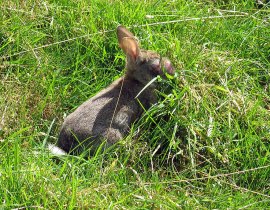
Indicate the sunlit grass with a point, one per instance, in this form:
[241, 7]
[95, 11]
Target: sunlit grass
[205, 145]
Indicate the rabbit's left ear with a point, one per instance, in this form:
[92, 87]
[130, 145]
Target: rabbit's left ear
[128, 43]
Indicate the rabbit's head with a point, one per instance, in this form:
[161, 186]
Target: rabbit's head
[142, 65]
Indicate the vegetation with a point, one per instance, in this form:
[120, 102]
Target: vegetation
[205, 145]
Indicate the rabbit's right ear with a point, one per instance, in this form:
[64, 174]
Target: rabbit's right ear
[128, 43]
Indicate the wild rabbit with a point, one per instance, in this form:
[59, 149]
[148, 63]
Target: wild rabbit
[107, 117]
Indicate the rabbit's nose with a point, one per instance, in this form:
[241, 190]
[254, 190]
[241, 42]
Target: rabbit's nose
[168, 66]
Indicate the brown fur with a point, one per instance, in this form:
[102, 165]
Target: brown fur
[107, 117]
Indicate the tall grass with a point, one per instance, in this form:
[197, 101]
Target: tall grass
[205, 145]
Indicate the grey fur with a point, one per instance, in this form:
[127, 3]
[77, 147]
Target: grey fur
[106, 118]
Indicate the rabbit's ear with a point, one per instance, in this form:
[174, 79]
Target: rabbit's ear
[127, 42]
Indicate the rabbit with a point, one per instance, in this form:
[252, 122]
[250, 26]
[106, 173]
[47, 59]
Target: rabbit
[107, 117]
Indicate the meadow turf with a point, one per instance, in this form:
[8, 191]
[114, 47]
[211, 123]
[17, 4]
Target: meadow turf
[205, 145]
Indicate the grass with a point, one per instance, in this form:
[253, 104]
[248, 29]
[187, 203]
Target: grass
[205, 145]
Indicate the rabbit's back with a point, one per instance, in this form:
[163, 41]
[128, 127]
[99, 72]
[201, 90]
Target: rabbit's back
[108, 115]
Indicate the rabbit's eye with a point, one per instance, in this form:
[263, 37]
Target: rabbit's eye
[155, 69]
[155, 65]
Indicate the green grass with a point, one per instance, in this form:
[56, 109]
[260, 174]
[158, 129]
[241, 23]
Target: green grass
[205, 145]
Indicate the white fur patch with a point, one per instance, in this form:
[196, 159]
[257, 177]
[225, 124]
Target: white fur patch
[56, 150]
